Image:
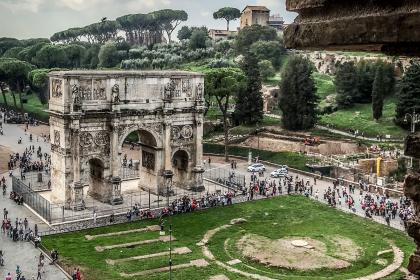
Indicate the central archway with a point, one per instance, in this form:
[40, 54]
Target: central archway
[140, 158]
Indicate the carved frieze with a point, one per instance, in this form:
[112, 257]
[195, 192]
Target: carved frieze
[169, 90]
[187, 132]
[102, 138]
[148, 160]
[175, 132]
[57, 137]
[182, 135]
[85, 90]
[116, 93]
[56, 88]
[86, 139]
[200, 91]
[186, 87]
[93, 143]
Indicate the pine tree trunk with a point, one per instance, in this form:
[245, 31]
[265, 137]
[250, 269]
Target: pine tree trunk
[14, 99]
[3, 92]
[227, 25]
[226, 130]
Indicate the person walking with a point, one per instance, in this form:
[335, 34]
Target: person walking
[39, 275]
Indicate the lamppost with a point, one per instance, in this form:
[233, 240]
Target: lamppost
[167, 175]
[258, 137]
[415, 119]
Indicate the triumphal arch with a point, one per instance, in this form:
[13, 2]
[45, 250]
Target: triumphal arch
[92, 113]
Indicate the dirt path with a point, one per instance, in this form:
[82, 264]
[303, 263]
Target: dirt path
[37, 130]
[4, 156]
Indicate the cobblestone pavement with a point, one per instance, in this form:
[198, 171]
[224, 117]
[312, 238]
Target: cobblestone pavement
[21, 253]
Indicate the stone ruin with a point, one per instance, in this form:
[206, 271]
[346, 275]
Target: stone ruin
[390, 26]
[412, 191]
[93, 112]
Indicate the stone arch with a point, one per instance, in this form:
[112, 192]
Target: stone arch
[134, 128]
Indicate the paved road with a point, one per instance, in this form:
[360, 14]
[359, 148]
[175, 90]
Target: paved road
[321, 186]
[21, 253]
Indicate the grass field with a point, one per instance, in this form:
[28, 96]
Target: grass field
[360, 117]
[277, 218]
[33, 106]
[291, 159]
[324, 84]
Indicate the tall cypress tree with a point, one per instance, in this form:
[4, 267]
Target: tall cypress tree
[249, 105]
[346, 82]
[366, 72]
[379, 91]
[298, 99]
[409, 94]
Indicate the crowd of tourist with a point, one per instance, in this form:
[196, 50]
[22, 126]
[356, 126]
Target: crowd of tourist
[19, 230]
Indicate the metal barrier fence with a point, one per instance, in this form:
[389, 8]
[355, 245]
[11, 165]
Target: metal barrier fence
[36, 181]
[225, 177]
[127, 173]
[32, 199]
[142, 198]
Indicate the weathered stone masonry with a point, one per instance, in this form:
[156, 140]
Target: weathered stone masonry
[91, 114]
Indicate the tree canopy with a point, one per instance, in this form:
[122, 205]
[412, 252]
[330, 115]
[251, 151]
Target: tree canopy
[249, 105]
[223, 84]
[254, 33]
[169, 20]
[298, 99]
[228, 14]
[408, 95]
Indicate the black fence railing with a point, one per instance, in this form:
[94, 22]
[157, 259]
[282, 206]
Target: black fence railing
[32, 198]
[129, 173]
[225, 177]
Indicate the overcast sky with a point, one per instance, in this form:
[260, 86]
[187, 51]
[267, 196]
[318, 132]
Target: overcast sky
[42, 18]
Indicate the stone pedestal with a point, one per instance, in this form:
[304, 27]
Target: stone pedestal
[166, 189]
[116, 197]
[76, 200]
[198, 184]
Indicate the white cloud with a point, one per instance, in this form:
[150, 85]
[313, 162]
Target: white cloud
[79, 5]
[205, 14]
[18, 5]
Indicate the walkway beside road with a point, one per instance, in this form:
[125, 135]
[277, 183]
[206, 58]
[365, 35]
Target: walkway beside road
[321, 186]
[343, 133]
[22, 253]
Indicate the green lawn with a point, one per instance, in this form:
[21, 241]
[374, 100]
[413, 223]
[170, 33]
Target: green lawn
[360, 117]
[33, 106]
[291, 159]
[277, 218]
[324, 84]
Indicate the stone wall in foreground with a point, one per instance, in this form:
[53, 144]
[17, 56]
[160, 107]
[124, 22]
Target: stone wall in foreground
[412, 190]
[391, 26]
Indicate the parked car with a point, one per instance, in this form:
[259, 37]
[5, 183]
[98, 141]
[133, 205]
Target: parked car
[256, 167]
[281, 172]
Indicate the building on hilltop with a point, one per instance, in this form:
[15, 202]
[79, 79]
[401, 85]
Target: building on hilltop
[218, 35]
[277, 22]
[261, 15]
[254, 15]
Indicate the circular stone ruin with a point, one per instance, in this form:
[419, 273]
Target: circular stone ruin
[300, 243]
